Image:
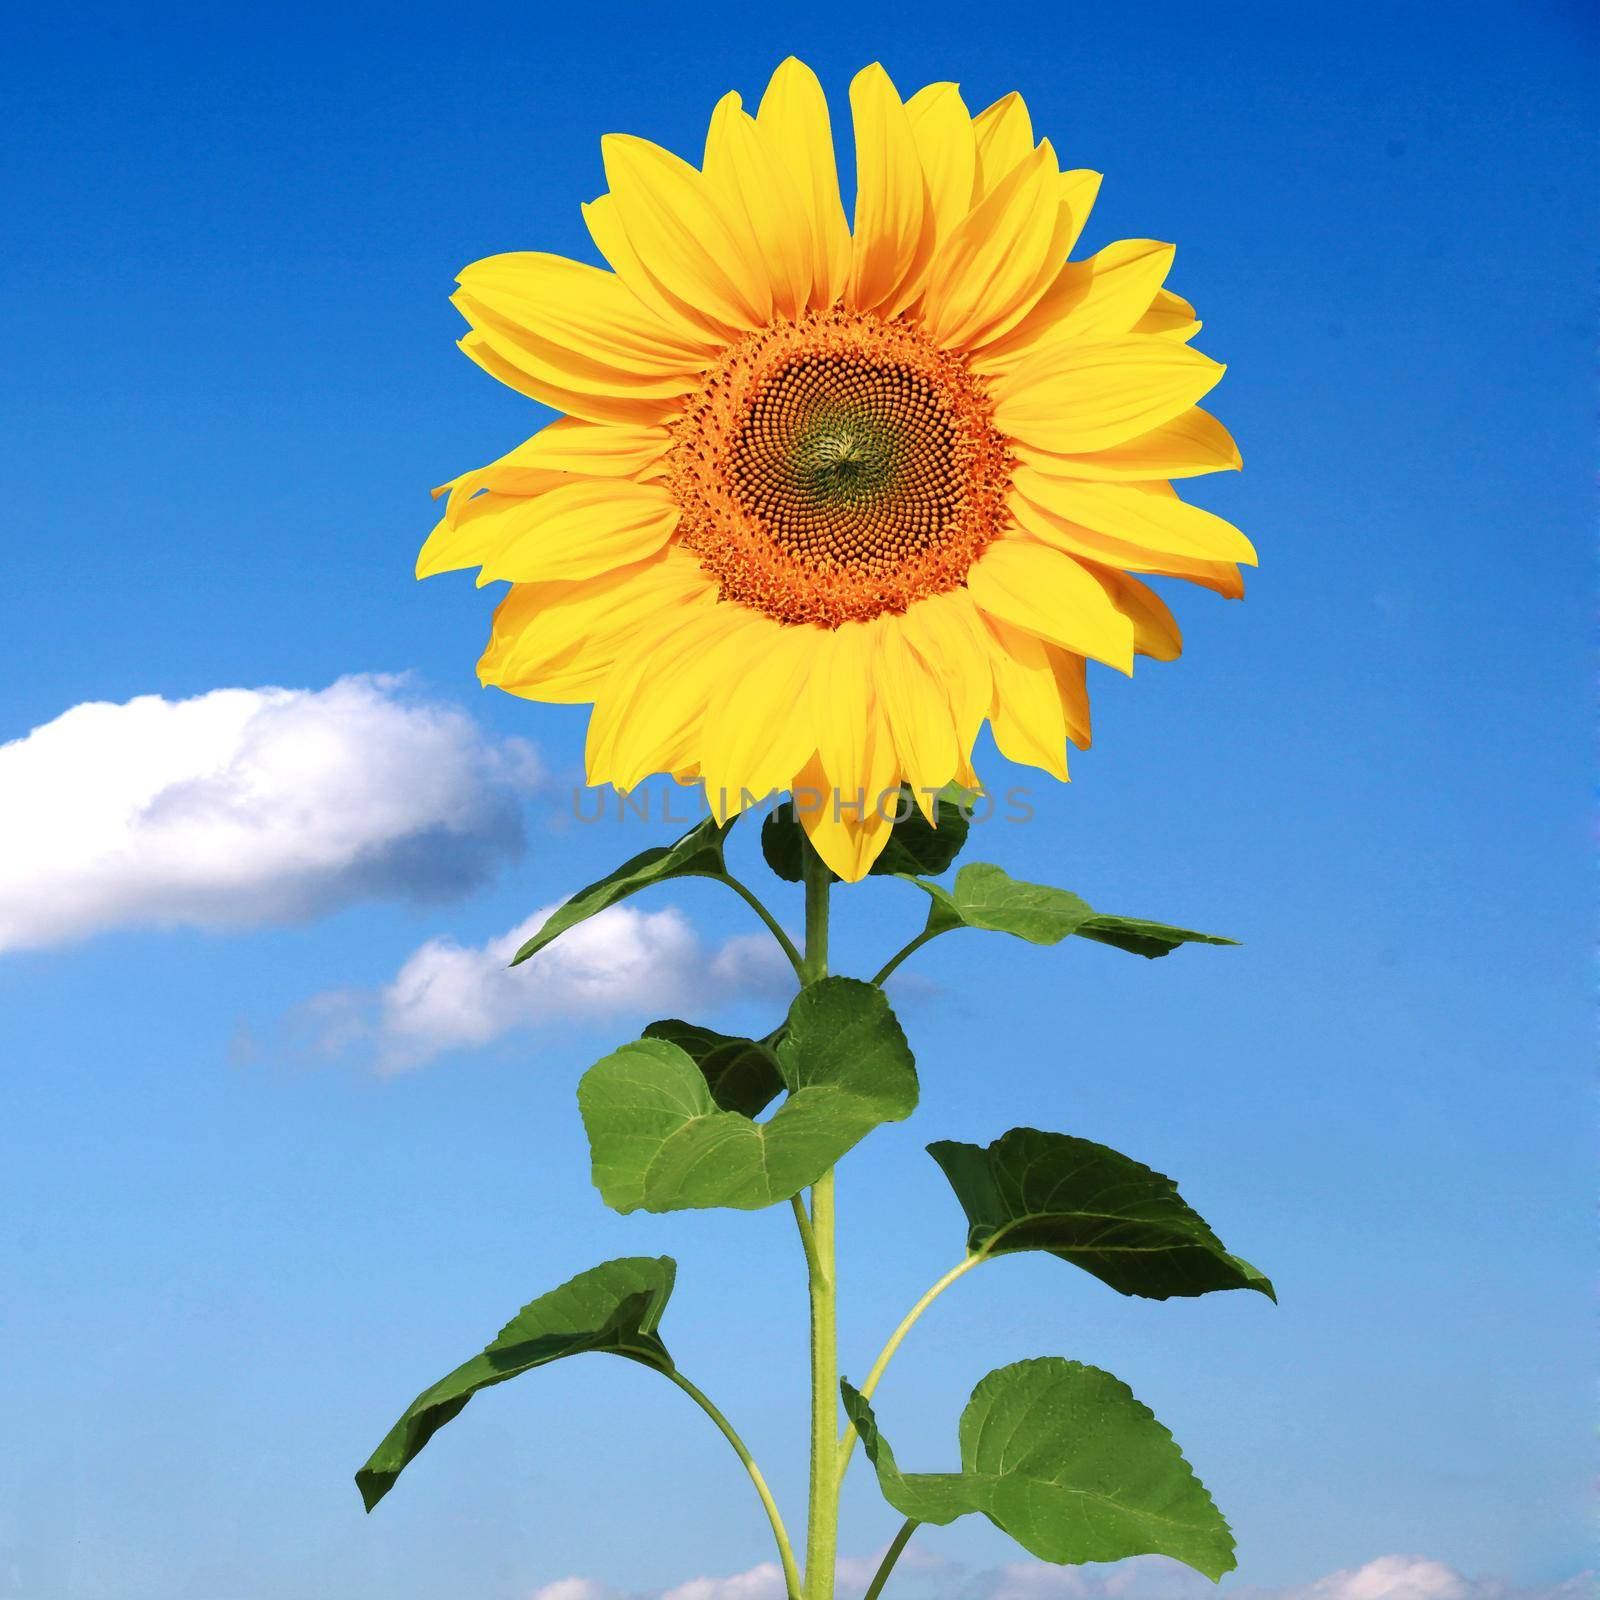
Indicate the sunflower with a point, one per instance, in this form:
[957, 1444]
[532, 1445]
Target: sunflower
[824, 499]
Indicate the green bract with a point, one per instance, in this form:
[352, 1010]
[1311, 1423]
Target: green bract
[913, 845]
[1065, 1460]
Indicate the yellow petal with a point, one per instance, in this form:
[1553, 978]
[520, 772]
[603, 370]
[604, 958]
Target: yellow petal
[753, 743]
[591, 449]
[945, 630]
[1190, 444]
[649, 712]
[1078, 191]
[1155, 630]
[589, 526]
[942, 129]
[756, 184]
[1050, 594]
[1094, 299]
[505, 358]
[1170, 317]
[1004, 136]
[552, 639]
[472, 527]
[998, 259]
[571, 370]
[1157, 524]
[514, 473]
[583, 310]
[793, 114]
[1088, 545]
[847, 838]
[1221, 576]
[848, 729]
[676, 223]
[894, 215]
[1026, 713]
[1072, 685]
[1080, 397]
[604, 221]
[918, 712]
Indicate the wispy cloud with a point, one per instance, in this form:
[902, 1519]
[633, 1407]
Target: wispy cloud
[248, 806]
[1391, 1577]
[623, 964]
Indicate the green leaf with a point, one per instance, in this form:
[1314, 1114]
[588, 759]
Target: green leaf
[1142, 938]
[698, 854]
[985, 896]
[742, 1074]
[659, 1141]
[1086, 1204]
[614, 1308]
[1065, 1460]
[913, 845]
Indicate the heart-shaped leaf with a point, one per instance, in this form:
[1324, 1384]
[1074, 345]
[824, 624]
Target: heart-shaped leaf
[698, 854]
[1065, 1460]
[614, 1308]
[985, 896]
[742, 1074]
[659, 1141]
[1087, 1204]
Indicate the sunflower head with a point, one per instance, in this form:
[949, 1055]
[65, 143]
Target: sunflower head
[825, 498]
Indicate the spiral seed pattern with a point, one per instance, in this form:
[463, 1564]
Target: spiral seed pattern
[838, 467]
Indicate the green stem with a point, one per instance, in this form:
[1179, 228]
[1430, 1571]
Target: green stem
[822, 1534]
[808, 1240]
[791, 1573]
[750, 899]
[900, 955]
[822, 1529]
[818, 879]
[847, 1440]
[890, 1556]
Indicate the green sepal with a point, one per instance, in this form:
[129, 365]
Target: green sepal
[1082, 1202]
[1065, 1460]
[917, 846]
[985, 896]
[698, 854]
[614, 1308]
[659, 1141]
[743, 1075]
[783, 844]
[914, 845]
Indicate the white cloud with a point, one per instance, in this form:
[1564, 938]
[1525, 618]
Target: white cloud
[623, 962]
[1392, 1577]
[1401, 1577]
[764, 1582]
[1139, 1578]
[576, 1589]
[248, 806]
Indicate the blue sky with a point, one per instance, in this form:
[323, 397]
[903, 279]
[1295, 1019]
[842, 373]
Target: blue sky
[234, 1246]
